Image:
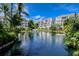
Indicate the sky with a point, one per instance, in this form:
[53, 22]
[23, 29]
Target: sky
[47, 10]
[40, 11]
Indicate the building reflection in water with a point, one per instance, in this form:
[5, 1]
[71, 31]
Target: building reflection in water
[39, 43]
[59, 39]
[46, 38]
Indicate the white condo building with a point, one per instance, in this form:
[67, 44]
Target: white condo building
[3, 21]
[24, 23]
[46, 23]
[60, 19]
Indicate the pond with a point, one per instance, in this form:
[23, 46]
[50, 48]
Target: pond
[39, 44]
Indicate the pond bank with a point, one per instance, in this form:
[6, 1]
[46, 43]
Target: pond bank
[7, 44]
[51, 31]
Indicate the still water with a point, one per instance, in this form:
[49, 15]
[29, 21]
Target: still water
[39, 44]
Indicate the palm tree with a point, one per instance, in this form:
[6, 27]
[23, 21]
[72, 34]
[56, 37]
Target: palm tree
[18, 15]
[21, 9]
[14, 17]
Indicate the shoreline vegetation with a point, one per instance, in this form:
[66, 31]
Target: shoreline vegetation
[44, 30]
[52, 31]
[71, 40]
[9, 26]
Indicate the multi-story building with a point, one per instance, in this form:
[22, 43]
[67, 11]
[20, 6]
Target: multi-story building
[60, 19]
[50, 22]
[42, 24]
[3, 21]
[46, 23]
[24, 23]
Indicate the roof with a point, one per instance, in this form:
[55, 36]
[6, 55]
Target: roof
[68, 15]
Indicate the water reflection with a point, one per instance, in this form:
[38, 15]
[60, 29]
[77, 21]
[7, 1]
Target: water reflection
[58, 39]
[39, 43]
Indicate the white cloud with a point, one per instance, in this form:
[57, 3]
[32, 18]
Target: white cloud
[37, 17]
[68, 7]
[72, 8]
[42, 18]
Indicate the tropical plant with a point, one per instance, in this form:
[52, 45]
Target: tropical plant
[31, 24]
[13, 17]
[71, 27]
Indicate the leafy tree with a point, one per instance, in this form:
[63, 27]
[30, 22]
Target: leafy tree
[31, 24]
[36, 25]
[14, 17]
[71, 27]
[53, 27]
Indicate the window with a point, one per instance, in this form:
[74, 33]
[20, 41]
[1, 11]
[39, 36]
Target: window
[64, 17]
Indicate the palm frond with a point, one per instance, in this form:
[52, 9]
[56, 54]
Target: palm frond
[25, 13]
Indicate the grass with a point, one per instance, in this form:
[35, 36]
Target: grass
[49, 30]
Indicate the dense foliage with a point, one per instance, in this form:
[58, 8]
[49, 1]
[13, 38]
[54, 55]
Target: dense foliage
[13, 17]
[71, 28]
[31, 24]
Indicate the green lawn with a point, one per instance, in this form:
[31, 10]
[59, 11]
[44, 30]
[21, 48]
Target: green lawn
[49, 30]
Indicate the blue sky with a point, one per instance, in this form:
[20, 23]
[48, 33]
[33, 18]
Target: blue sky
[52, 10]
[38, 11]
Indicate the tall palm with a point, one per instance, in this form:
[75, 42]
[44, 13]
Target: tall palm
[18, 15]
[9, 14]
[21, 9]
